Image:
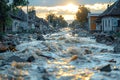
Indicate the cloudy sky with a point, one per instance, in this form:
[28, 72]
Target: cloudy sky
[67, 8]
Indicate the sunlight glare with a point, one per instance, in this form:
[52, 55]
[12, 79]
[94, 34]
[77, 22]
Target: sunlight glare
[71, 7]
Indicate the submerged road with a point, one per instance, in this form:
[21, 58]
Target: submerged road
[66, 57]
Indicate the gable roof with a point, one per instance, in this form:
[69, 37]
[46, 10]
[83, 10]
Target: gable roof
[113, 10]
[20, 15]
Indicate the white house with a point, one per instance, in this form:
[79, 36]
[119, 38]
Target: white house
[19, 21]
[109, 20]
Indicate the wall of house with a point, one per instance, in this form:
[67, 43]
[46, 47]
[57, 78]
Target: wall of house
[31, 25]
[109, 23]
[15, 25]
[19, 25]
[98, 26]
[23, 25]
[92, 23]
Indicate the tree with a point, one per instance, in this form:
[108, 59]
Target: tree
[51, 17]
[31, 9]
[5, 8]
[16, 3]
[62, 21]
[82, 14]
[74, 24]
[55, 21]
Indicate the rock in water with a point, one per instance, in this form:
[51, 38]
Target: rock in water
[3, 48]
[104, 50]
[74, 57]
[88, 51]
[117, 48]
[112, 61]
[30, 59]
[40, 37]
[12, 47]
[102, 38]
[15, 58]
[46, 76]
[2, 58]
[42, 70]
[106, 68]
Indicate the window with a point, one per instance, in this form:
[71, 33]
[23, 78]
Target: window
[108, 23]
[118, 23]
[103, 23]
[114, 22]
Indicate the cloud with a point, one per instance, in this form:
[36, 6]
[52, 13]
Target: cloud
[64, 2]
[97, 7]
[68, 11]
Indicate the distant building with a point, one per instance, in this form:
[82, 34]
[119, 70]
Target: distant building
[19, 21]
[92, 21]
[109, 20]
[42, 25]
[31, 19]
[39, 24]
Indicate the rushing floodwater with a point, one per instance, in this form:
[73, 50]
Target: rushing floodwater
[63, 47]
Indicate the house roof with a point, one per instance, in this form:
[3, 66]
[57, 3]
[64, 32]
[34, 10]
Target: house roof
[20, 15]
[93, 14]
[113, 10]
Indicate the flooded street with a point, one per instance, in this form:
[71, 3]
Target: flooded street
[64, 57]
[60, 40]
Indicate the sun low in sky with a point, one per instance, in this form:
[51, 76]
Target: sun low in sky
[71, 7]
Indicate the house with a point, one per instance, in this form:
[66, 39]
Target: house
[109, 20]
[42, 25]
[92, 21]
[39, 24]
[19, 21]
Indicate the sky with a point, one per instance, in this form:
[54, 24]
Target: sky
[67, 8]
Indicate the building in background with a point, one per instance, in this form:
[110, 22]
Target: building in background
[92, 17]
[19, 21]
